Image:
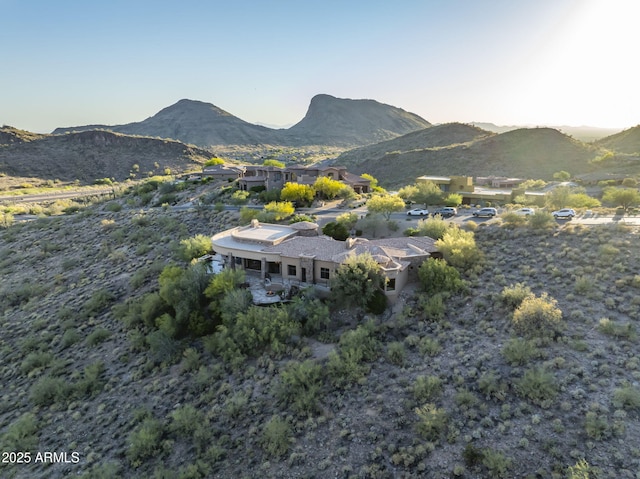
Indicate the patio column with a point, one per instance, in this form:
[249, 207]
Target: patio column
[263, 268]
[231, 261]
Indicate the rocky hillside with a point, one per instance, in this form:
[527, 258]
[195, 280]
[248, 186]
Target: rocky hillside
[627, 141]
[335, 121]
[329, 121]
[527, 153]
[89, 155]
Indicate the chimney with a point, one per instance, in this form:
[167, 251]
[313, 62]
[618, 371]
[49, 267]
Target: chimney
[255, 223]
[350, 242]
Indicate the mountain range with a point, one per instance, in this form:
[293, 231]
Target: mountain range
[329, 121]
[388, 142]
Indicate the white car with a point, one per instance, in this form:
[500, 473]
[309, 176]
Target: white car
[564, 213]
[525, 211]
[417, 212]
[485, 212]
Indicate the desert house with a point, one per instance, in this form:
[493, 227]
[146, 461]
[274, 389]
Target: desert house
[298, 255]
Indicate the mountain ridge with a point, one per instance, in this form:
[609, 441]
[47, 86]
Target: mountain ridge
[329, 121]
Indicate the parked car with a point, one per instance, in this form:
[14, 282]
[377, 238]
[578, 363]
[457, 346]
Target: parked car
[525, 211]
[564, 213]
[485, 212]
[417, 212]
[445, 212]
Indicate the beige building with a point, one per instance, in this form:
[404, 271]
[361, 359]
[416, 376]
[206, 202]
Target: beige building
[297, 255]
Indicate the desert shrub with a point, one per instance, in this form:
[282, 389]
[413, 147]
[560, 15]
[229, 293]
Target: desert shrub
[311, 312]
[98, 302]
[434, 227]
[276, 437]
[144, 441]
[537, 385]
[163, 348]
[98, 336]
[301, 385]
[433, 306]
[113, 206]
[513, 295]
[432, 421]
[437, 276]
[513, 220]
[459, 248]
[541, 220]
[249, 334]
[336, 230]
[356, 281]
[104, 470]
[627, 397]
[357, 346]
[580, 470]
[378, 302]
[496, 463]
[427, 388]
[518, 351]
[247, 214]
[233, 303]
[70, 337]
[194, 247]
[345, 368]
[184, 420]
[429, 346]
[35, 360]
[91, 382]
[49, 390]
[583, 284]
[610, 328]
[396, 353]
[21, 435]
[596, 426]
[492, 386]
[538, 316]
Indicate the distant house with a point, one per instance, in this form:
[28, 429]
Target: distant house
[272, 177]
[223, 172]
[297, 255]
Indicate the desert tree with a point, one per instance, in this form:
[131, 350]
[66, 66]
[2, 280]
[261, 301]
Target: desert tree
[280, 210]
[300, 193]
[328, 188]
[272, 162]
[385, 205]
[373, 183]
[357, 280]
[623, 197]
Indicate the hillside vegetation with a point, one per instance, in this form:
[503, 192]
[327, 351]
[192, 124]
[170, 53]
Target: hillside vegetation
[460, 382]
[525, 153]
[87, 156]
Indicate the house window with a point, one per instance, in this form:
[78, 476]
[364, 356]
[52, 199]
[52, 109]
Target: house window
[291, 270]
[391, 284]
[324, 273]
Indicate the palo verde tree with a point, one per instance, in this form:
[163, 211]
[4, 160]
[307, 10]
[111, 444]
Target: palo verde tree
[385, 205]
[328, 188]
[356, 281]
[623, 197]
[297, 192]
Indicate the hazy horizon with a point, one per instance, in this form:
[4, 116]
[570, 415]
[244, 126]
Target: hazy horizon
[543, 62]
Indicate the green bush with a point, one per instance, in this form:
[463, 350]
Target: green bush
[276, 437]
[538, 316]
[429, 346]
[98, 302]
[434, 227]
[537, 385]
[35, 360]
[496, 463]
[433, 307]
[627, 397]
[427, 388]
[301, 386]
[432, 421]
[22, 435]
[91, 382]
[396, 353]
[541, 220]
[49, 390]
[113, 206]
[459, 248]
[184, 420]
[437, 276]
[144, 441]
[596, 426]
[98, 336]
[195, 247]
[337, 231]
[513, 295]
[518, 351]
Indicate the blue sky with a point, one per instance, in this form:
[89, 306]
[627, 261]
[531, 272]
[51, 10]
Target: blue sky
[553, 62]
